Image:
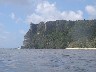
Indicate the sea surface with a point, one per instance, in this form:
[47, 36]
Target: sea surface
[47, 60]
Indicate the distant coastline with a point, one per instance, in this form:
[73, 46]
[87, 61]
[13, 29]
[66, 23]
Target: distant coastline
[83, 48]
[61, 34]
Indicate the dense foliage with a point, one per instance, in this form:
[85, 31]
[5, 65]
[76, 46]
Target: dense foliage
[61, 34]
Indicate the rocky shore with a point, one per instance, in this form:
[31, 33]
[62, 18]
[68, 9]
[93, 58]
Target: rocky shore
[61, 34]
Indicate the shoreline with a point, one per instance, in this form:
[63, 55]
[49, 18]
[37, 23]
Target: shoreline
[82, 48]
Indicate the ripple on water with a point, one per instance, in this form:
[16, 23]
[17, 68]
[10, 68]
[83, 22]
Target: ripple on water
[12, 60]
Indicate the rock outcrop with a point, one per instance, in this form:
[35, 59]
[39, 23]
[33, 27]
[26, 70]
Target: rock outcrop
[61, 34]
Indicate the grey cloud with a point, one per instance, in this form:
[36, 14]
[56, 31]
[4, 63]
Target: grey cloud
[20, 2]
[16, 2]
[46, 11]
[91, 10]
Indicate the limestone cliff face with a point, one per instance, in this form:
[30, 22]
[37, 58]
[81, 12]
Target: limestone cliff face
[61, 34]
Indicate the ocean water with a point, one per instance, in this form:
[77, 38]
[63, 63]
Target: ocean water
[47, 60]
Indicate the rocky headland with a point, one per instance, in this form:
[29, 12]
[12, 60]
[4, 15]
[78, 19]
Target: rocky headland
[61, 34]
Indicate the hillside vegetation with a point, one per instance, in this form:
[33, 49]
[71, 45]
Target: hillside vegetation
[61, 34]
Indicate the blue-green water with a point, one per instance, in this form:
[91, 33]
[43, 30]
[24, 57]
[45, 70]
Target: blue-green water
[47, 60]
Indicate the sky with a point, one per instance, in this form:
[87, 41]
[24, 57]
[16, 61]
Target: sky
[16, 15]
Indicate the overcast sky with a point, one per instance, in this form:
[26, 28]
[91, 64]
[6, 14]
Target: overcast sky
[16, 15]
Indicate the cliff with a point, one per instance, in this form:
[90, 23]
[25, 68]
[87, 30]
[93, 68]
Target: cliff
[61, 34]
